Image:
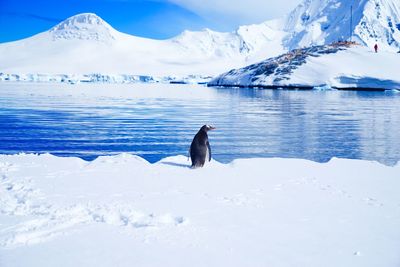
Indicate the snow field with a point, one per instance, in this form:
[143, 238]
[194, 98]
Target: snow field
[124, 211]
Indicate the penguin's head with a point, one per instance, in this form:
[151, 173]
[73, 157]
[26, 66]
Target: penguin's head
[207, 128]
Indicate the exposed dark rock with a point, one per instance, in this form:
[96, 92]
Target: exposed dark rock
[278, 68]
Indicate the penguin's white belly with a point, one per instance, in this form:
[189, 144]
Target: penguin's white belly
[207, 155]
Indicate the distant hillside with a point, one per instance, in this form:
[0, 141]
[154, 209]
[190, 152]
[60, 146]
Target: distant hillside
[342, 65]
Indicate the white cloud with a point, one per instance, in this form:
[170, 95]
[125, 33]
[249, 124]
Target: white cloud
[239, 11]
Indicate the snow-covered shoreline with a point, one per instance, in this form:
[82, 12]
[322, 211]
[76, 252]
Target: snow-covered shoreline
[340, 65]
[123, 211]
[101, 78]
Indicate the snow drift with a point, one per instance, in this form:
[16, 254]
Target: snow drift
[123, 211]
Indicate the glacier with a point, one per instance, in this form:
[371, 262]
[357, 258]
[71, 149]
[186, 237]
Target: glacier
[103, 78]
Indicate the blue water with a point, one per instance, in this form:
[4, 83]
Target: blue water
[156, 121]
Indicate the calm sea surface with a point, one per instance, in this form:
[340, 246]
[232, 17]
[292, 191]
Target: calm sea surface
[155, 121]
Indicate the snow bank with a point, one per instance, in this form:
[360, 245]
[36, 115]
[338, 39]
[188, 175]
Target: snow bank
[124, 211]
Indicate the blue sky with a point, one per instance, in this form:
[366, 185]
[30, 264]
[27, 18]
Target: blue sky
[157, 19]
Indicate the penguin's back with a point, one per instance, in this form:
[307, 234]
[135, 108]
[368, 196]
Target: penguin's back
[199, 150]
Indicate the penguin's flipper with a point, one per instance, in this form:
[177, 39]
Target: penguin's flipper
[209, 151]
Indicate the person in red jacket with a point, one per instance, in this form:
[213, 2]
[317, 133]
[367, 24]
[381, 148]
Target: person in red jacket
[376, 48]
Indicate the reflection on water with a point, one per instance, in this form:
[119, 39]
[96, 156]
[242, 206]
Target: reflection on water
[155, 121]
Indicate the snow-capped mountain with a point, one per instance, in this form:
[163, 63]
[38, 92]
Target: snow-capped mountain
[319, 22]
[84, 27]
[85, 44]
[316, 58]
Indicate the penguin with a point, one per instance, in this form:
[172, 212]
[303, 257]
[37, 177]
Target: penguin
[200, 149]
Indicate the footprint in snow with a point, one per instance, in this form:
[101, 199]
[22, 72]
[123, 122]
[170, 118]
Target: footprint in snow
[58, 222]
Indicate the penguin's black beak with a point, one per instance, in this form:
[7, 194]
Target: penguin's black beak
[211, 128]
